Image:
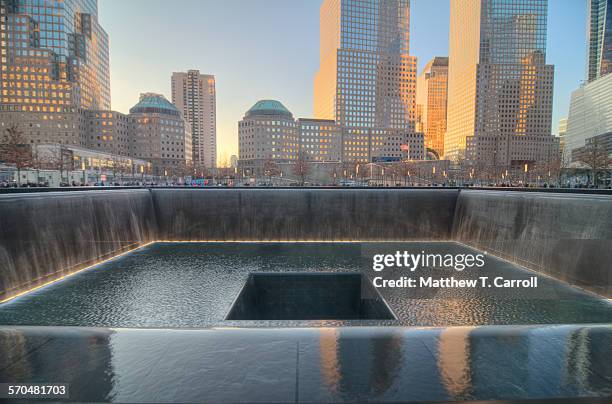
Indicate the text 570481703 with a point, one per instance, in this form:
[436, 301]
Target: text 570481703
[33, 390]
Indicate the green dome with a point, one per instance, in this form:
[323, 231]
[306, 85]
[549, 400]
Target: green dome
[269, 107]
[156, 104]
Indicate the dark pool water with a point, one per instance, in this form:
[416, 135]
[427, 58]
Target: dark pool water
[195, 284]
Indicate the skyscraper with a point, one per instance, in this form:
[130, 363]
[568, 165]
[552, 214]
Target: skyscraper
[194, 94]
[590, 113]
[500, 87]
[599, 39]
[366, 77]
[55, 56]
[432, 92]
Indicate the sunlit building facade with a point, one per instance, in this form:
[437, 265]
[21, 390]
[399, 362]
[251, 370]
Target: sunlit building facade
[432, 97]
[55, 56]
[363, 145]
[500, 88]
[195, 96]
[161, 136]
[54, 64]
[366, 77]
[599, 39]
[320, 140]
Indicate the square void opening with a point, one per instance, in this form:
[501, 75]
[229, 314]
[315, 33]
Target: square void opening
[309, 296]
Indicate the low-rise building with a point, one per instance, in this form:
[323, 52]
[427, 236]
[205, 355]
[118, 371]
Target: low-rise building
[109, 131]
[267, 132]
[161, 135]
[320, 140]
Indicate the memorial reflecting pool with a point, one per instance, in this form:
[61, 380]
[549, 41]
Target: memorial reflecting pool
[194, 285]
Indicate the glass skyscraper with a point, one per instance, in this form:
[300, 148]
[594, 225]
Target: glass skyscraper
[367, 79]
[55, 56]
[500, 87]
[599, 39]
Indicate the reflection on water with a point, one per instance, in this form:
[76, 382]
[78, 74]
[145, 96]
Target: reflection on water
[350, 363]
[358, 367]
[330, 362]
[454, 361]
[81, 358]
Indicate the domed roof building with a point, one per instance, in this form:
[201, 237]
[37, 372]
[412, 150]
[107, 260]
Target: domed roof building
[268, 131]
[154, 103]
[162, 135]
[269, 107]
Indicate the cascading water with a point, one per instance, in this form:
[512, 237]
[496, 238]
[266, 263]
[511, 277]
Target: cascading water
[43, 236]
[568, 236]
[298, 214]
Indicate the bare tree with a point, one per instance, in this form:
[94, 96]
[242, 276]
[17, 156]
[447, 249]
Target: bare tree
[14, 150]
[270, 169]
[301, 168]
[407, 170]
[58, 161]
[596, 156]
[348, 169]
[362, 171]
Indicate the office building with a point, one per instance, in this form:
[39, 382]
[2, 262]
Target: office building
[366, 145]
[596, 151]
[109, 132]
[599, 37]
[161, 135]
[54, 56]
[267, 132]
[590, 113]
[54, 64]
[432, 91]
[320, 140]
[500, 88]
[194, 95]
[366, 77]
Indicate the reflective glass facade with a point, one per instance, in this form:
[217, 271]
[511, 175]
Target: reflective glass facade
[590, 114]
[55, 56]
[500, 87]
[599, 38]
[366, 77]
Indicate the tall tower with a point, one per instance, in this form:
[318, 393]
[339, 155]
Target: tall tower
[366, 77]
[432, 92]
[55, 56]
[500, 87]
[194, 94]
[599, 39]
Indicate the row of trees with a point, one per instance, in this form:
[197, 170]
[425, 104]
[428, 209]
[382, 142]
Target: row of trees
[15, 150]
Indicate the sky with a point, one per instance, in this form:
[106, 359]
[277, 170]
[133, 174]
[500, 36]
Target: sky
[269, 49]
